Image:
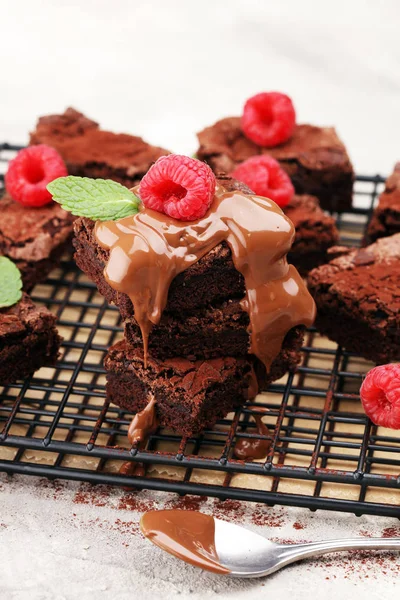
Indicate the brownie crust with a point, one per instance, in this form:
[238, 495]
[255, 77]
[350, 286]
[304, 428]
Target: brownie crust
[34, 238]
[28, 340]
[89, 151]
[314, 158]
[385, 219]
[358, 299]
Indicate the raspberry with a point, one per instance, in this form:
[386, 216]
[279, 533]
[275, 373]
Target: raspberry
[181, 187]
[29, 173]
[268, 119]
[380, 396]
[265, 177]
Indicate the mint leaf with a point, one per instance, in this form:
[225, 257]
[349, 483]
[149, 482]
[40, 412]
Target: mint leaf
[10, 283]
[97, 199]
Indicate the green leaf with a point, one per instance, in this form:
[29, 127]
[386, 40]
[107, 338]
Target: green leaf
[97, 199]
[10, 283]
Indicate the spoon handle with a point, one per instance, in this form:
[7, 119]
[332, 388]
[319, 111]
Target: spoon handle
[298, 551]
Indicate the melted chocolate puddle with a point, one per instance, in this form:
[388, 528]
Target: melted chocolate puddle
[143, 425]
[189, 535]
[149, 249]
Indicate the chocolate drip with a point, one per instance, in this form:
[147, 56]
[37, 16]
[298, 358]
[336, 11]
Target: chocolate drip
[143, 425]
[252, 449]
[189, 535]
[148, 250]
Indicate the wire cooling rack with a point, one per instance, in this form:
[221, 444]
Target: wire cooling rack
[325, 453]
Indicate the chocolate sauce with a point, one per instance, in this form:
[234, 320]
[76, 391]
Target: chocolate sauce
[189, 535]
[252, 449]
[143, 425]
[149, 249]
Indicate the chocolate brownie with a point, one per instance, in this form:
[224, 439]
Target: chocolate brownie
[316, 231]
[385, 220]
[190, 395]
[28, 340]
[358, 299]
[88, 151]
[34, 238]
[314, 158]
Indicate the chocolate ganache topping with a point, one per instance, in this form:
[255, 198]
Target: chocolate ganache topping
[149, 249]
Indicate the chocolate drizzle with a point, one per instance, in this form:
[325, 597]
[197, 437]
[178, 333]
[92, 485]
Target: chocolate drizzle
[149, 249]
[143, 425]
[189, 535]
[254, 448]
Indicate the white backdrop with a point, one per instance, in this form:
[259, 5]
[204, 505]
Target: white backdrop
[166, 68]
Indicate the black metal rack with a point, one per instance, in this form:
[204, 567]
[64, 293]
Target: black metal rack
[325, 453]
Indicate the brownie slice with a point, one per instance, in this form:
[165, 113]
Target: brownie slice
[190, 395]
[358, 299]
[88, 151]
[316, 231]
[385, 220]
[34, 238]
[28, 340]
[315, 159]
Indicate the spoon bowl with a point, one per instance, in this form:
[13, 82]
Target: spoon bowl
[229, 549]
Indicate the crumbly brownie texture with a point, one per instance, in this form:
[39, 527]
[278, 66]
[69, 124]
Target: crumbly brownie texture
[358, 299]
[316, 231]
[385, 220]
[28, 340]
[91, 152]
[314, 158]
[34, 238]
[191, 396]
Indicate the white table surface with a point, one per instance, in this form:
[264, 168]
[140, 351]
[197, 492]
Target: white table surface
[164, 70]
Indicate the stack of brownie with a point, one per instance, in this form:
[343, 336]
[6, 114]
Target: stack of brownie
[198, 367]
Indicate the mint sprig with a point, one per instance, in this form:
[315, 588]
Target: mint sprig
[97, 199]
[10, 283]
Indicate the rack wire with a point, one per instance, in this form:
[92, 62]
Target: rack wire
[325, 453]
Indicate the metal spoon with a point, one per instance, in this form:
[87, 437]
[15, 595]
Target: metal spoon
[236, 551]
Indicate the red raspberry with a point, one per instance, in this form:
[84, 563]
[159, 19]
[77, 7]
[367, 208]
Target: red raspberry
[380, 396]
[29, 173]
[265, 177]
[268, 119]
[181, 187]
